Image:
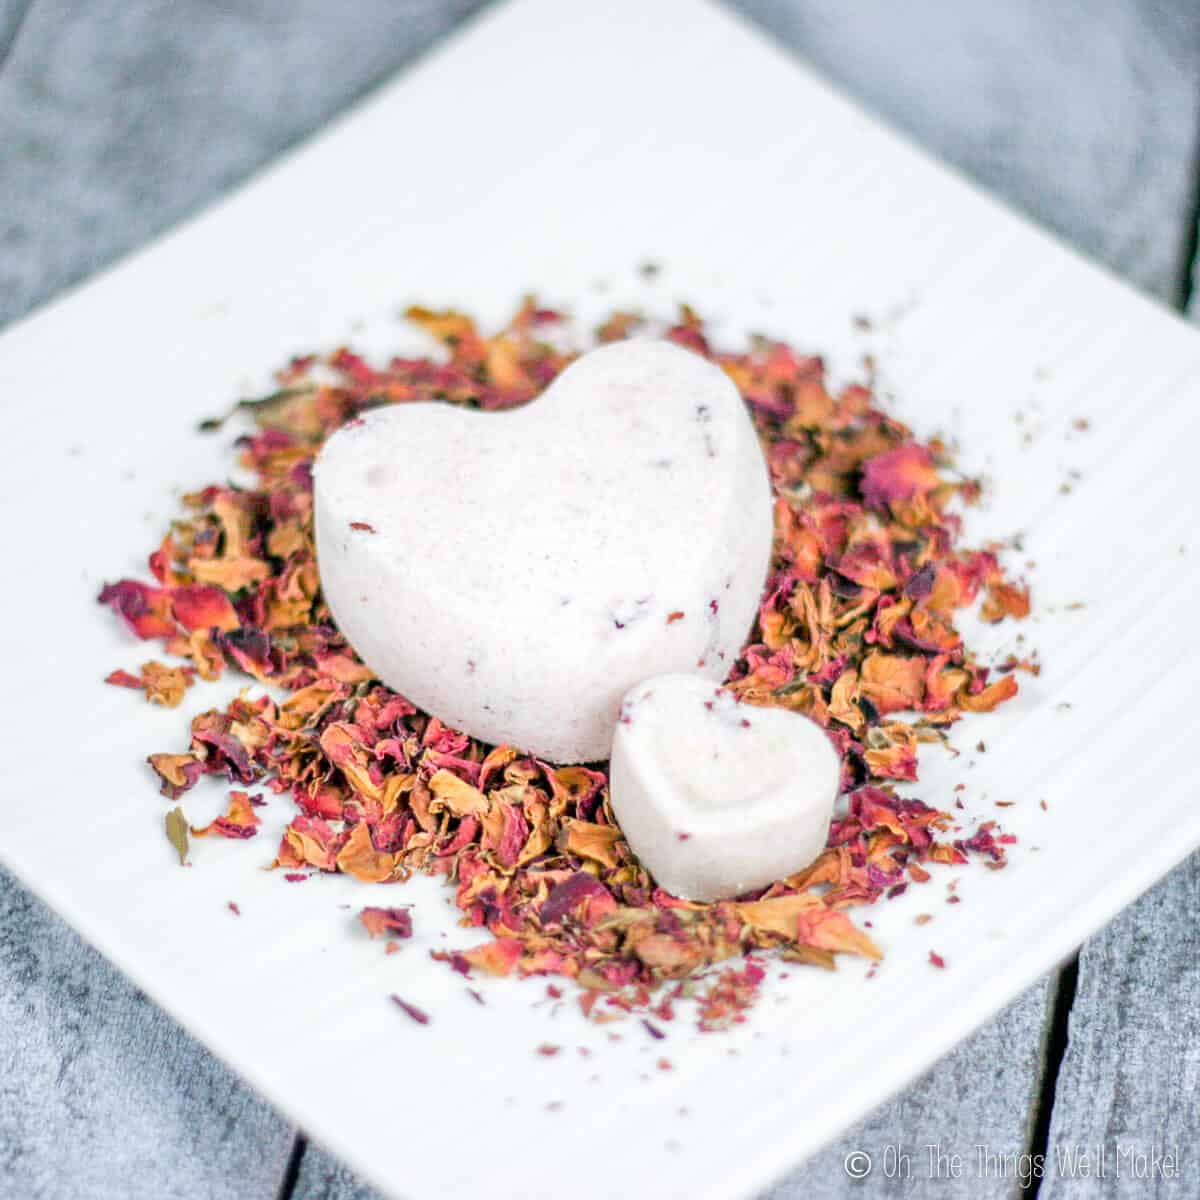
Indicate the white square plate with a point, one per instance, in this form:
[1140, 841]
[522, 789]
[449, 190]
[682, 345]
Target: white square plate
[550, 147]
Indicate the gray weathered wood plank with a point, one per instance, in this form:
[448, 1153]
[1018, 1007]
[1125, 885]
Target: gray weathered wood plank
[1130, 1079]
[120, 117]
[323, 1177]
[1082, 114]
[102, 1096]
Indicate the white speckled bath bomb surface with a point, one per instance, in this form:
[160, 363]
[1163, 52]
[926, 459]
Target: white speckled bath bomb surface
[716, 797]
[515, 573]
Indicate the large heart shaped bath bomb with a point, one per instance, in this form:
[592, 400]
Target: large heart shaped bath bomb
[515, 573]
[717, 797]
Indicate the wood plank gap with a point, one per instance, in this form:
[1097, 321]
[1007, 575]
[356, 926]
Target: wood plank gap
[1055, 1052]
[8, 37]
[1185, 285]
[291, 1173]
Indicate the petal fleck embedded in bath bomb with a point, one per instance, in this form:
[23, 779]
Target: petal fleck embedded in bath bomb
[515, 573]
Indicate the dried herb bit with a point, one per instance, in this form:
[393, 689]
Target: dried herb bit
[570, 894]
[162, 684]
[395, 922]
[419, 1015]
[177, 833]
[857, 628]
[240, 820]
[725, 1001]
[264, 406]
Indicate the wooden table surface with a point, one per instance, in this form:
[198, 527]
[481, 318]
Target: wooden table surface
[119, 117]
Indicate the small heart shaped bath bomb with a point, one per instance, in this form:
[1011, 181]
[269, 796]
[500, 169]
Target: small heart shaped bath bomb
[717, 797]
[515, 573]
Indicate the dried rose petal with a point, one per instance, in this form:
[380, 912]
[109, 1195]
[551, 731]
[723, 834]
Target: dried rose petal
[856, 628]
[396, 922]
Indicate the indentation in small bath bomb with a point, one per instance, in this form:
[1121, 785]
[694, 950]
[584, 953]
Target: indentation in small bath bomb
[717, 797]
